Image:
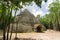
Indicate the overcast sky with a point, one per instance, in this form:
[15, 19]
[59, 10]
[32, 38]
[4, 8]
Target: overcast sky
[34, 9]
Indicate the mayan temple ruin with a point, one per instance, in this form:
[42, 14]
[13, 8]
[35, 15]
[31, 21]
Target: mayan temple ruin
[26, 22]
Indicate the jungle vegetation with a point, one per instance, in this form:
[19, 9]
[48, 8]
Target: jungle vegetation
[52, 20]
[6, 7]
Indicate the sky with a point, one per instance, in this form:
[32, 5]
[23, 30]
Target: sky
[35, 10]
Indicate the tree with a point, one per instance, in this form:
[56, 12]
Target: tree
[7, 7]
[43, 20]
[52, 20]
[54, 10]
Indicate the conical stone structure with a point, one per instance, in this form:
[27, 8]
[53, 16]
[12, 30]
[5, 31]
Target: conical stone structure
[24, 22]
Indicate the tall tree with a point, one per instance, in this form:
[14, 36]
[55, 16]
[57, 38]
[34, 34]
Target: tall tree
[8, 6]
[54, 10]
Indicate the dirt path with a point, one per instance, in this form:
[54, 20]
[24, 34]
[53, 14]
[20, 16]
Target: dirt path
[48, 35]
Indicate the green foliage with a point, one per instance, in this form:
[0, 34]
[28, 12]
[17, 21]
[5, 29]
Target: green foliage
[17, 2]
[6, 7]
[43, 20]
[52, 20]
[6, 13]
[55, 12]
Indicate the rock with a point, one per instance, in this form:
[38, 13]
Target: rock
[39, 28]
[26, 22]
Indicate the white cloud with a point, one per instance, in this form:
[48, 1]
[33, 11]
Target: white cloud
[42, 11]
[33, 8]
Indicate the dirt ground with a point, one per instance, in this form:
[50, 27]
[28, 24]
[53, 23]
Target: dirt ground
[48, 35]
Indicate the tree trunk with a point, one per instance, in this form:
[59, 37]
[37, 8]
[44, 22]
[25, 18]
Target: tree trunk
[11, 31]
[3, 19]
